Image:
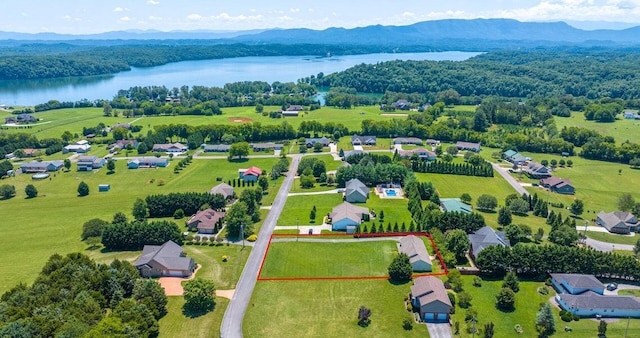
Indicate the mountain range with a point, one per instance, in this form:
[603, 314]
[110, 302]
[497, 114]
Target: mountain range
[427, 32]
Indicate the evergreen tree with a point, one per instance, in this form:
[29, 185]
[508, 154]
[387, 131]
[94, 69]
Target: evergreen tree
[504, 217]
[545, 323]
[511, 281]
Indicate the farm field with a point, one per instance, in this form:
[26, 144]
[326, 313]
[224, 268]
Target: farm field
[52, 222]
[335, 259]
[526, 307]
[335, 305]
[621, 130]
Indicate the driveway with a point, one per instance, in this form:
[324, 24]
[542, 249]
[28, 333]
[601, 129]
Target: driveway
[621, 287]
[604, 246]
[515, 184]
[173, 285]
[442, 330]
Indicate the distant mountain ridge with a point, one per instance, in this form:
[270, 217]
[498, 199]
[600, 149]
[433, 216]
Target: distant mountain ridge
[421, 33]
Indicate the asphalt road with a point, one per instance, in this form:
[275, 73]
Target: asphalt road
[607, 247]
[232, 320]
[520, 189]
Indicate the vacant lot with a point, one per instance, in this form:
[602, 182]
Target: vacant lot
[621, 129]
[52, 222]
[339, 259]
[296, 210]
[335, 309]
[178, 324]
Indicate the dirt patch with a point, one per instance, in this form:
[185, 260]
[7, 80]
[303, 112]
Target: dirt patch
[225, 293]
[240, 119]
[173, 285]
[395, 115]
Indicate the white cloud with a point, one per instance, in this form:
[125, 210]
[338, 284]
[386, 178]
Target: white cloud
[67, 17]
[154, 18]
[294, 10]
[118, 9]
[153, 2]
[408, 14]
[195, 17]
[125, 19]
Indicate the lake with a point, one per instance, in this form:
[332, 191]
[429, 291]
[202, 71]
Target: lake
[204, 72]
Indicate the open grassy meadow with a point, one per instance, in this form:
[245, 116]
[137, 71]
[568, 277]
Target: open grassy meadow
[622, 129]
[178, 324]
[328, 309]
[33, 229]
[335, 259]
[297, 208]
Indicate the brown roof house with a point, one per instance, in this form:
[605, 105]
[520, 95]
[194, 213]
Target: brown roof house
[559, 185]
[414, 247]
[166, 260]
[537, 170]
[223, 189]
[618, 222]
[206, 221]
[430, 297]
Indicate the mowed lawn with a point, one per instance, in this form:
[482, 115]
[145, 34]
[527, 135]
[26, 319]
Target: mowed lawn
[613, 238]
[527, 305]
[177, 324]
[297, 208]
[328, 309]
[33, 229]
[622, 129]
[330, 259]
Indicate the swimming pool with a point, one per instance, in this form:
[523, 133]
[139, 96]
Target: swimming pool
[390, 192]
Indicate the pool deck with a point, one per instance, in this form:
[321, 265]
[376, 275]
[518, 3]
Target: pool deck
[382, 193]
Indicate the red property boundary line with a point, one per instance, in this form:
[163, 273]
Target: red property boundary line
[387, 234]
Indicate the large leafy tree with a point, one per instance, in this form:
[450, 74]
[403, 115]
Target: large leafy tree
[150, 293]
[83, 189]
[93, 228]
[486, 202]
[400, 269]
[199, 295]
[140, 210]
[511, 281]
[458, 243]
[504, 217]
[577, 207]
[31, 191]
[7, 191]
[237, 219]
[506, 299]
[239, 150]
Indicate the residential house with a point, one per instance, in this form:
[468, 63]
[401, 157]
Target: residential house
[40, 167]
[414, 247]
[30, 152]
[147, 162]
[206, 221]
[402, 104]
[223, 189]
[355, 191]
[455, 205]
[350, 153]
[468, 146]
[628, 114]
[169, 148]
[430, 297]
[250, 174]
[558, 185]
[166, 260]
[122, 144]
[21, 118]
[618, 222]
[432, 142]
[216, 148]
[88, 163]
[484, 238]
[583, 295]
[266, 146]
[422, 153]
[407, 140]
[537, 170]
[79, 147]
[514, 157]
[289, 113]
[347, 217]
[322, 140]
[121, 125]
[364, 140]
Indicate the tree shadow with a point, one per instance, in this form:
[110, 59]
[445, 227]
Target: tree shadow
[190, 312]
[110, 172]
[397, 282]
[238, 160]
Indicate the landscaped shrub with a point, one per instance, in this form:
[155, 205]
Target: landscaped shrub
[566, 317]
[252, 238]
[477, 281]
[178, 214]
[407, 324]
[543, 290]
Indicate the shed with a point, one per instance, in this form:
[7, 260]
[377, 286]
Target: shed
[104, 187]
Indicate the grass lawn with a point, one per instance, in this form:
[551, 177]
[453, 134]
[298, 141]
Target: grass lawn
[296, 188]
[527, 302]
[455, 185]
[395, 210]
[629, 292]
[611, 238]
[52, 222]
[621, 129]
[297, 208]
[305, 259]
[225, 275]
[335, 308]
[177, 324]
[329, 162]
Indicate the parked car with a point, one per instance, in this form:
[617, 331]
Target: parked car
[612, 286]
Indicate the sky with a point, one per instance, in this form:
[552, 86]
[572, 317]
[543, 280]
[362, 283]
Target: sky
[96, 16]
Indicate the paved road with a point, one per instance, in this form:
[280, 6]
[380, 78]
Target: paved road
[521, 190]
[332, 240]
[232, 320]
[607, 247]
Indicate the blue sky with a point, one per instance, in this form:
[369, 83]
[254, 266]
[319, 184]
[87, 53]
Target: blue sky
[95, 16]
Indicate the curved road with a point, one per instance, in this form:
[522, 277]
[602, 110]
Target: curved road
[232, 320]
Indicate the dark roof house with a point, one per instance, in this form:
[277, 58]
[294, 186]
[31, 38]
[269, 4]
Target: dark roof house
[558, 185]
[322, 140]
[473, 146]
[205, 221]
[486, 237]
[21, 118]
[363, 140]
[414, 247]
[164, 260]
[537, 170]
[618, 222]
[407, 140]
[422, 153]
[430, 297]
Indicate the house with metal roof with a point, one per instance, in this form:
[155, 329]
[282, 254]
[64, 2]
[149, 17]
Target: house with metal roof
[414, 247]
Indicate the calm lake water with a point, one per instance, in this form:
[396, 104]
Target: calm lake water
[206, 73]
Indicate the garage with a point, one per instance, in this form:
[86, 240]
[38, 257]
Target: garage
[442, 317]
[429, 317]
[175, 273]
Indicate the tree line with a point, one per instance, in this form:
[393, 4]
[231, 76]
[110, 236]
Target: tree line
[440, 167]
[165, 205]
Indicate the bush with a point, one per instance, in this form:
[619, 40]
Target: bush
[543, 290]
[407, 324]
[477, 281]
[566, 317]
[178, 214]
[252, 238]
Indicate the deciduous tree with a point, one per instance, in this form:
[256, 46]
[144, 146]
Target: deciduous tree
[31, 191]
[400, 269]
[199, 295]
[83, 189]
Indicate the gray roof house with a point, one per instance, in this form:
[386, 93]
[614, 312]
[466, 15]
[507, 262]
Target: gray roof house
[355, 191]
[38, 167]
[205, 221]
[414, 247]
[422, 153]
[366, 140]
[583, 295]
[430, 297]
[223, 189]
[322, 140]
[88, 163]
[164, 260]
[347, 217]
[407, 140]
[618, 222]
[219, 148]
[486, 237]
[350, 153]
[473, 146]
[514, 157]
[169, 148]
[537, 170]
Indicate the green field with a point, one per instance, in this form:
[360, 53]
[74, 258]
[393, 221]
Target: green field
[395, 210]
[177, 324]
[629, 292]
[297, 208]
[622, 129]
[612, 238]
[527, 302]
[329, 162]
[328, 309]
[339, 259]
[296, 188]
[52, 222]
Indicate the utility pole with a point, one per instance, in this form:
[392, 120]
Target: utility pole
[297, 229]
[242, 233]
